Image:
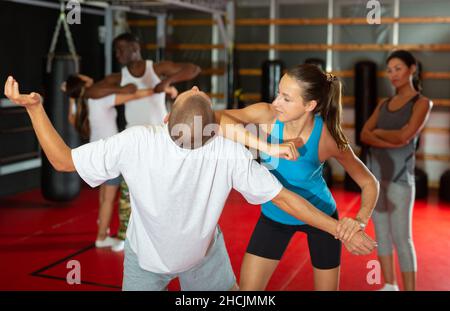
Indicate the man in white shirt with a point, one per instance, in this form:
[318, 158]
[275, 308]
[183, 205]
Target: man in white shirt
[143, 74]
[179, 179]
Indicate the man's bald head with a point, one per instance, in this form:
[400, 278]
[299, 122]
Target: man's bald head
[192, 121]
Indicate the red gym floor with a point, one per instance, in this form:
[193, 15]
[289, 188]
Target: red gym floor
[38, 239]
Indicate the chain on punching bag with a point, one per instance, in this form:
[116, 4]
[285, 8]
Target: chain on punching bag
[51, 53]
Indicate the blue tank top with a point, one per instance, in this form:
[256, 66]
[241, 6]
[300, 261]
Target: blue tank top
[303, 176]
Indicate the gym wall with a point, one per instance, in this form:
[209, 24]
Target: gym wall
[22, 52]
[23, 49]
[434, 151]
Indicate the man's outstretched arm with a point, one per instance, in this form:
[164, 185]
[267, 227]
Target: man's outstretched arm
[300, 208]
[56, 150]
[295, 205]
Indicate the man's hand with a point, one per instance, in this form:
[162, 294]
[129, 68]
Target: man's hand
[130, 88]
[171, 91]
[286, 151]
[161, 86]
[360, 244]
[347, 228]
[25, 100]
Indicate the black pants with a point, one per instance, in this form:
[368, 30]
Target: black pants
[270, 239]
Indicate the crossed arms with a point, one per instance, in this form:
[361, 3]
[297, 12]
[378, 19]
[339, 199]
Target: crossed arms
[380, 138]
[169, 71]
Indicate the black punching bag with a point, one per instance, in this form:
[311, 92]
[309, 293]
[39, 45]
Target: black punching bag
[272, 70]
[234, 91]
[327, 174]
[444, 186]
[58, 186]
[316, 61]
[420, 176]
[365, 103]
[365, 94]
[421, 181]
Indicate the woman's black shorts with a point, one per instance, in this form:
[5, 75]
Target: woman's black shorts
[270, 239]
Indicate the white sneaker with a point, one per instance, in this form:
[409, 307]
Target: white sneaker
[119, 246]
[389, 288]
[108, 242]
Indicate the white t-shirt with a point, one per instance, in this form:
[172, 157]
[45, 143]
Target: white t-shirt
[102, 117]
[176, 195]
[149, 110]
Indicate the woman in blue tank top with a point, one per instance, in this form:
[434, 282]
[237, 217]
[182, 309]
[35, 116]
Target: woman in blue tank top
[301, 130]
[391, 132]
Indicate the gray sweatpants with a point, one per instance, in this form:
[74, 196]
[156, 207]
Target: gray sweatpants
[393, 223]
[213, 273]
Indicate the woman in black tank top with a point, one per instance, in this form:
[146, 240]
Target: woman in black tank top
[391, 132]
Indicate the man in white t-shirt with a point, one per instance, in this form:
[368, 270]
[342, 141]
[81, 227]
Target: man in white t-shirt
[179, 178]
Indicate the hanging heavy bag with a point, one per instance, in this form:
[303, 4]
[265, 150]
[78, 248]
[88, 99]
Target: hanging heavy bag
[365, 103]
[57, 186]
[272, 71]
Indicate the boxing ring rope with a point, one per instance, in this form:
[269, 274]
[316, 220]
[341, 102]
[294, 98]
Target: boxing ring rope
[297, 21]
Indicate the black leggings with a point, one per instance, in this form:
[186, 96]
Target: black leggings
[270, 239]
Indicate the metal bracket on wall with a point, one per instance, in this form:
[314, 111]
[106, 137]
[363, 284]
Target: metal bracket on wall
[6, 103]
[20, 166]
